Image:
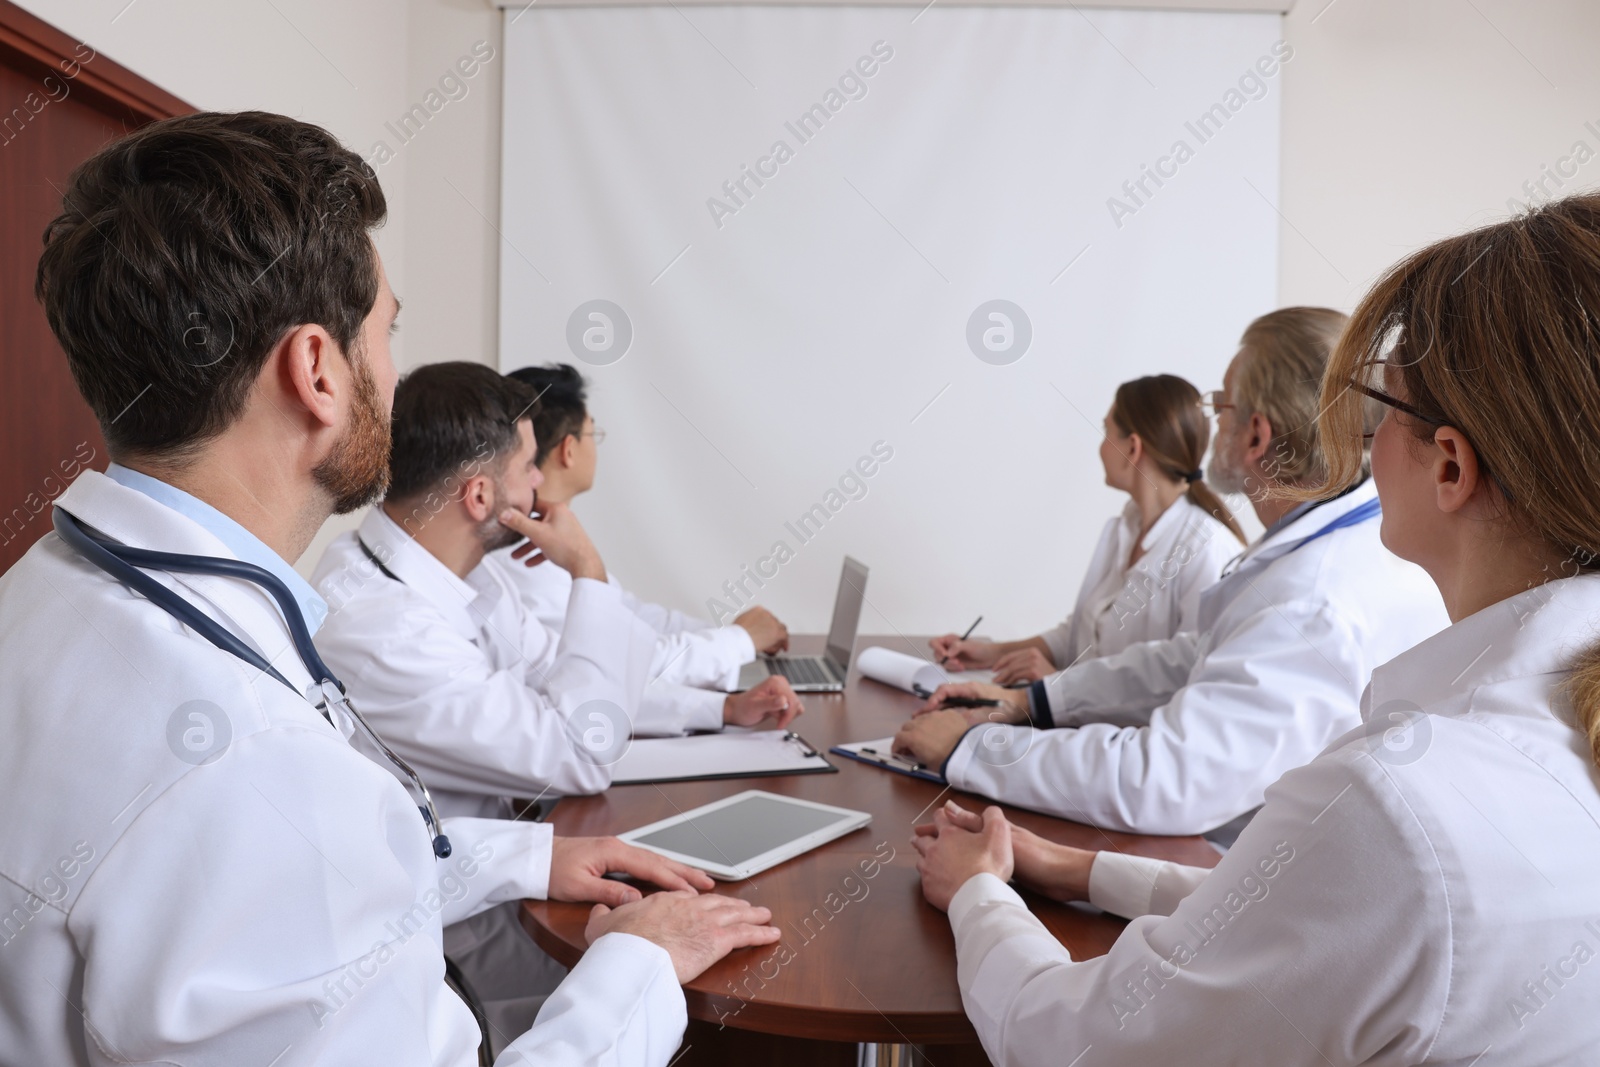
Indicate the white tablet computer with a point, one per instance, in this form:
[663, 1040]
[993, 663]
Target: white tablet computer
[746, 833]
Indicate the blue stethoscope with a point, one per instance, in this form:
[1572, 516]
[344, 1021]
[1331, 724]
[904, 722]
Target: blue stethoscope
[122, 562]
[1354, 517]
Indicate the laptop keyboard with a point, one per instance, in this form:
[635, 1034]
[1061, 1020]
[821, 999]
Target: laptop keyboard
[801, 670]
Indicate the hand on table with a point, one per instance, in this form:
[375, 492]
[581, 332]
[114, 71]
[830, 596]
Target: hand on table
[949, 853]
[774, 698]
[696, 931]
[559, 537]
[929, 739]
[1023, 665]
[1013, 705]
[768, 634]
[1059, 872]
[578, 866]
[963, 654]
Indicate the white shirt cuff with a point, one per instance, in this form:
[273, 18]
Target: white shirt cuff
[978, 890]
[705, 710]
[1123, 884]
[539, 863]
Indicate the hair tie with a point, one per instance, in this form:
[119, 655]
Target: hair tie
[1195, 476]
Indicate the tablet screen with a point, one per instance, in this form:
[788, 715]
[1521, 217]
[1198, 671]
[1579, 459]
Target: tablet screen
[738, 832]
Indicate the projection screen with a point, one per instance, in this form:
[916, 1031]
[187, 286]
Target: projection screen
[863, 280]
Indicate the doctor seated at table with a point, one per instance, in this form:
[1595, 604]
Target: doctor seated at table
[1423, 892]
[1183, 736]
[1168, 545]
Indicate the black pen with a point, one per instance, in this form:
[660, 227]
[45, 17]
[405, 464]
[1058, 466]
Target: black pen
[970, 702]
[964, 636]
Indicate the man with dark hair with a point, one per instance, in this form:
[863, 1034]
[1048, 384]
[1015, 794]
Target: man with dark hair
[690, 650]
[209, 872]
[466, 685]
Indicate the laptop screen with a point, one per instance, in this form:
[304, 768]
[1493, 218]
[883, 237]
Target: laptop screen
[847, 611]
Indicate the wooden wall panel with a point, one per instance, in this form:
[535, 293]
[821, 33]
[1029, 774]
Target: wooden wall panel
[59, 102]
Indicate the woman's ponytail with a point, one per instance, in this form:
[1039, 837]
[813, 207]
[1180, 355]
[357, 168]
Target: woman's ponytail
[1164, 410]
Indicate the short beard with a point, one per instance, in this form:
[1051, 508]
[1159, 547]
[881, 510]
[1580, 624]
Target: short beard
[356, 472]
[493, 534]
[1222, 475]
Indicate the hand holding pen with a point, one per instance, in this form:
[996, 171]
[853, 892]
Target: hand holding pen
[952, 651]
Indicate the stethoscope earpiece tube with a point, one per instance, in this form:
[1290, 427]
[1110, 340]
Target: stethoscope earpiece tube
[122, 562]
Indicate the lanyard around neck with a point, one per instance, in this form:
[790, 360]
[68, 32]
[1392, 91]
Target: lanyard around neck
[123, 562]
[1354, 517]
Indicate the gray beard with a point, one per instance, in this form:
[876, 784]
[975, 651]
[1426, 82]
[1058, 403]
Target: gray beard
[1223, 477]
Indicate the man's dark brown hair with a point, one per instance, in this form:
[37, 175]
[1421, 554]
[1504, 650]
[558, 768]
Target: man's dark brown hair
[562, 407]
[453, 421]
[186, 250]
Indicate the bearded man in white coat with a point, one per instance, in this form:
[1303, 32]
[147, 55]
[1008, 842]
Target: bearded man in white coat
[199, 868]
[1183, 736]
[460, 679]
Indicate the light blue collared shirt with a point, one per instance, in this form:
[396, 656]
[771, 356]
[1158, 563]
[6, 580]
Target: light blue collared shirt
[244, 544]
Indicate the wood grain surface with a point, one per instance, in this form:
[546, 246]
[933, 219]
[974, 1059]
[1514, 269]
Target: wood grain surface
[863, 956]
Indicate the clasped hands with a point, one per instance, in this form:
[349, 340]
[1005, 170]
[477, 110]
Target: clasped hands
[959, 844]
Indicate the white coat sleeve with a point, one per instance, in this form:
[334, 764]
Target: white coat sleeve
[1058, 639]
[667, 710]
[496, 860]
[661, 619]
[1265, 700]
[620, 1005]
[1125, 688]
[435, 698]
[709, 658]
[281, 902]
[1131, 886]
[1322, 937]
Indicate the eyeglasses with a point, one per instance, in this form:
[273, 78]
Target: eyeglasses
[1390, 400]
[1215, 402]
[597, 433]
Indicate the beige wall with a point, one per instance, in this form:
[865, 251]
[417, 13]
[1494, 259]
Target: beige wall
[1406, 120]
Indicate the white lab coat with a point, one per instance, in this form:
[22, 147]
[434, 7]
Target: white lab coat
[279, 904]
[1118, 605]
[690, 651]
[473, 691]
[1184, 736]
[1421, 893]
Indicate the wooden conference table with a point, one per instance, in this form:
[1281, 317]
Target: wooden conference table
[862, 959]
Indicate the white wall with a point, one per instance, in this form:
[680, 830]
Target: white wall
[828, 309]
[1407, 120]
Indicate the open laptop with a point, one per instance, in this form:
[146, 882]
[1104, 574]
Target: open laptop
[825, 673]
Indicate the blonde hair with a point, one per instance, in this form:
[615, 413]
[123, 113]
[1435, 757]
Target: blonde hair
[1164, 410]
[1492, 333]
[1282, 356]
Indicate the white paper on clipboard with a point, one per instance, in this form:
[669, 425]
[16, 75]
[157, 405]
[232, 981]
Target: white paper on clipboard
[730, 754]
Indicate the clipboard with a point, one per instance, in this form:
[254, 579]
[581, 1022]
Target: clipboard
[728, 754]
[878, 754]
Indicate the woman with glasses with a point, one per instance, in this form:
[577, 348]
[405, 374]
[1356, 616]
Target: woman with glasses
[1153, 561]
[1424, 892]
